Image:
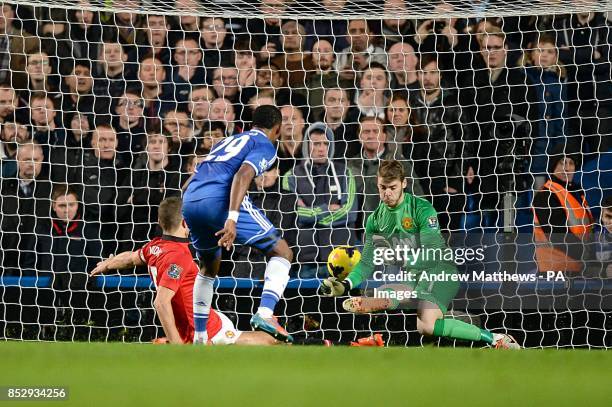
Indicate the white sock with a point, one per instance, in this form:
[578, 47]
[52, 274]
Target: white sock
[202, 299]
[276, 278]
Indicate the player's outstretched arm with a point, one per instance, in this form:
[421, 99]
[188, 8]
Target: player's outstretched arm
[240, 185]
[163, 306]
[121, 261]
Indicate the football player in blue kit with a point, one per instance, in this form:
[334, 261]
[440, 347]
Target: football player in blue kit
[218, 212]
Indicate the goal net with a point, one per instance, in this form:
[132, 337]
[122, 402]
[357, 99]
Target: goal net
[499, 111]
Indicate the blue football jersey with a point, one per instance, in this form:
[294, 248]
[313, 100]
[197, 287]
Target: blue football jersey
[213, 177]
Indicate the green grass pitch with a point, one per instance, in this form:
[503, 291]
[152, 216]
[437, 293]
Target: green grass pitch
[116, 374]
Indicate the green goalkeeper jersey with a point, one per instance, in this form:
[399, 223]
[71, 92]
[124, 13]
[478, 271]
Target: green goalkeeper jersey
[413, 223]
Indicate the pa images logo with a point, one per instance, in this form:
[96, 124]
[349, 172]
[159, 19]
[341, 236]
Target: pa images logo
[174, 271]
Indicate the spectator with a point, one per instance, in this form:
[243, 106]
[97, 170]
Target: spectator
[246, 63]
[374, 148]
[78, 137]
[129, 123]
[78, 95]
[548, 78]
[152, 76]
[44, 124]
[371, 97]
[323, 77]
[269, 77]
[15, 44]
[8, 103]
[400, 121]
[182, 142]
[12, 135]
[212, 133]
[563, 221]
[500, 112]
[153, 178]
[437, 144]
[215, 42]
[584, 41]
[70, 248]
[222, 110]
[225, 83]
[157, 44]
[69, 34]
[188, 70]
[326, 204]
[40, 78]
[112, 73]
[293, 62]
[96, 177]
[291, 138]
[403, 67]
[396, 30]
[441, 34]
[361, 53]
[200, 100]
[122, 27]
[23, 202]
[346, 134]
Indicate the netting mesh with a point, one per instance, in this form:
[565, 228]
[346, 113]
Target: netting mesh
[480, 101]
[335, 9]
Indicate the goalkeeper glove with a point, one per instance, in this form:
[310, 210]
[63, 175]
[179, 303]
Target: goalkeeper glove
[381, 243]
[332, 287]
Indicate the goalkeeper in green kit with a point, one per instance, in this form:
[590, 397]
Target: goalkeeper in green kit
[404, 231]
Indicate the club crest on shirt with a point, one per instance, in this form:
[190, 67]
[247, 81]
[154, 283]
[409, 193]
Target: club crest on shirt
[407, 223]
[229, 334]
[174, 271]
[263, 164]
[432, 222]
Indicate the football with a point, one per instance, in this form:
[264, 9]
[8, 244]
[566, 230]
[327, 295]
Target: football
[342, 260]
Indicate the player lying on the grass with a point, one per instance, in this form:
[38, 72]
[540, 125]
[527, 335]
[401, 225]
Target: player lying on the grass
[216, 204]
[404, 219]
[173, 272]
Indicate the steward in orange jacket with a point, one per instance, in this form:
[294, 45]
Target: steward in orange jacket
[563, 220]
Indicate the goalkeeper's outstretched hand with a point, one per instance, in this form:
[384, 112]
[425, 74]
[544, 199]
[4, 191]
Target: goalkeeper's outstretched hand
[381, 243]
[332, 287]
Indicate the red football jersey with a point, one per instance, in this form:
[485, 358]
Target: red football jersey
[171, 265]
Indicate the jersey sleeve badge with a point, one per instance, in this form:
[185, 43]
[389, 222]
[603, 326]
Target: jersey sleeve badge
[174, 271]
[432, 222]
[263, 165]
